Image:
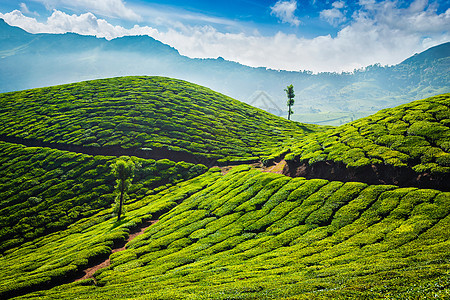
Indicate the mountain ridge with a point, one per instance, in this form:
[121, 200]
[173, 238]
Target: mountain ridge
[324, 98]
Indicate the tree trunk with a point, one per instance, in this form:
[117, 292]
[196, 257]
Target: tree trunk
[289, 113]
[122, 190]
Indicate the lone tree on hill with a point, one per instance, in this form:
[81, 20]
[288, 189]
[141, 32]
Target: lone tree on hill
[290, 94]
[123, 170]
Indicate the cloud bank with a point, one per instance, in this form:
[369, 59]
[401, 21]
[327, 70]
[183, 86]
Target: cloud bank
[377, 33]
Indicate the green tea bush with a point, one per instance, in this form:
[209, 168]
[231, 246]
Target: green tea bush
[45, 197]
[341, 236]
[153, 113]
[413, 135]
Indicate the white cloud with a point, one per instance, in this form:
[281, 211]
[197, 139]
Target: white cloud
[419, 18]
[85, 24]
[379, 33]
[110, 8]
[334, 16]
[338, 4]
[24, 8]
[284, 10]
[169, 16]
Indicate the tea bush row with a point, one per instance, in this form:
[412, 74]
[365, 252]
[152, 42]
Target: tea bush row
[148, 113]
[415, 135]
[288, 238]
[43, 190]
[60, 256]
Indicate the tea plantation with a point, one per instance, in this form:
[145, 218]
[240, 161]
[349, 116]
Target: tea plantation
[245, 234]
[414, 137]
[148, 114]
[254, 235]
[44, 190]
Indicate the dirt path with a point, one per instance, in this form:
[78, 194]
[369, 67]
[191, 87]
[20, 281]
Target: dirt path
[226, 169]
[277, 168]
[89, 272]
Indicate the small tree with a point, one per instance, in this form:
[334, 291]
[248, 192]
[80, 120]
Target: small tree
[123, 170]
[290, 94]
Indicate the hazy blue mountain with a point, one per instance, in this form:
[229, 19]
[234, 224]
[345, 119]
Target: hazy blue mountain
[37, 60]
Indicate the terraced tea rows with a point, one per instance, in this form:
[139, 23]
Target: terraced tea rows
[60, 257]
[44, 190]
[408, 145]
[259, 235]
[146, 114]
[244, 235]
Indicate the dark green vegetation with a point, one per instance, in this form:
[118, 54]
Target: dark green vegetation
[253, 235]
[412, 140]
[147, 114]
[44, 190]
[243, 235]
[123, 170]
[37, 60]
[290, 95]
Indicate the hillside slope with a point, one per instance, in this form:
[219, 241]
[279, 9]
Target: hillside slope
[408, 145]
[246, 234]
[257, 235]
[44, 190]
[152, 117]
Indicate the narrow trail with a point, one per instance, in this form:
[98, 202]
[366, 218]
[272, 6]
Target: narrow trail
[277, 168]
[89, 272]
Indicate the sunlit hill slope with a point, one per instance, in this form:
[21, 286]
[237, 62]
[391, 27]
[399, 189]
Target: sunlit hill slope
[234, 232]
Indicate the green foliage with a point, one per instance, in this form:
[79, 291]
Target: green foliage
[290, 95]
[51, 258]
[246, 234]
[44, 190]
[413, 135]
[288, 238]
[148, 113]
[123, 170]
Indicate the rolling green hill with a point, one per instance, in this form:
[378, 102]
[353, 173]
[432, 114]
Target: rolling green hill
[148, 116]
[252, 235]
[246, 234]
[408, 145]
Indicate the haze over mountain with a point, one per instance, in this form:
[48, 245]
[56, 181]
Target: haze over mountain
[36, 60]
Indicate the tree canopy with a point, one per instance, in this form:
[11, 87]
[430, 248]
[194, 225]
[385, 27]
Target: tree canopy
[291, 95]
[123, 170]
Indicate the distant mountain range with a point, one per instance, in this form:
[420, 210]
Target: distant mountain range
[37, 60]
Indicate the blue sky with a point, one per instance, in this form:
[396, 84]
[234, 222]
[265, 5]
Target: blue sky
[333, 35]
